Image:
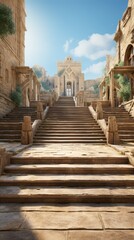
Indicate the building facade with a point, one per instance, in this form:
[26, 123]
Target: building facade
[12, 69]
[123, 61]
[69, 79]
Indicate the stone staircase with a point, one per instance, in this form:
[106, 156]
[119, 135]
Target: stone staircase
[68, 180]
[66, 123]
[10, 125]
[125, 123]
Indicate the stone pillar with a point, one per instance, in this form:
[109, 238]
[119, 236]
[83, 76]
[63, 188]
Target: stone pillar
[39, 110]
[112, 132]
[101, 92]
[34, 89]
[26, 133]
[112, 89]
[2, 159]
[80, 99]
[99, 111]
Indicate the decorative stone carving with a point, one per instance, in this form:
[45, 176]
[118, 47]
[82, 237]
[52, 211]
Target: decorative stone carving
[126, 16]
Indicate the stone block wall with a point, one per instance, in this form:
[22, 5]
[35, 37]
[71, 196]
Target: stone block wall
[6, 105]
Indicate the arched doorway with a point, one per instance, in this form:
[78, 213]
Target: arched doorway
[69, 89]
[129, 56]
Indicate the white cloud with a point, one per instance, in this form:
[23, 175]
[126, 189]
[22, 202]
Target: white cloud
[95, 47]
[67, 45]
[95, 69]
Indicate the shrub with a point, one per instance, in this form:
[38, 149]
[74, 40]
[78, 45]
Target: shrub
[16, 96]
[7, 25]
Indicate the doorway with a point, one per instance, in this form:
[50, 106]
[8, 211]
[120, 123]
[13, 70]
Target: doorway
[69, 89]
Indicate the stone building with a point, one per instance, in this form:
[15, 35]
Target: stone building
[124, 37]
[12, 69]
[69, 79]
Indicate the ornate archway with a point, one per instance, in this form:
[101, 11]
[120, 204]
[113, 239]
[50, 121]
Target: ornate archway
[129, 61]
[129, 56]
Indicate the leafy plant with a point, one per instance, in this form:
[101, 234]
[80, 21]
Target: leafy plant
[125, 89]
[16, 96]
[7, 25]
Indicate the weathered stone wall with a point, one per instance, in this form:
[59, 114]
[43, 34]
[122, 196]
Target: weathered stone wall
[12, 51]
[6, 105]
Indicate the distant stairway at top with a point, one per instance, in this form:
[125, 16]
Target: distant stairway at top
[66, 123]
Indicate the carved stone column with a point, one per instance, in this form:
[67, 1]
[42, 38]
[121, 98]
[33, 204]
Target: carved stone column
[112, 89]
[39, 110]
[26, 134]
[112, 132]
[99, 110]
[101, 92]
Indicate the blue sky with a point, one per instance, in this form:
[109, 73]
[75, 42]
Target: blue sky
[81, 28]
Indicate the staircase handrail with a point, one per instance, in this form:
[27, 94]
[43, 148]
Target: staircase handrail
[131, 102]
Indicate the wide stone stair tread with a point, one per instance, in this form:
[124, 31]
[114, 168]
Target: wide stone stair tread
[70, 160]
[70, 168]
[57, 134]
[66, 195]
[70, 141]
[83, 131]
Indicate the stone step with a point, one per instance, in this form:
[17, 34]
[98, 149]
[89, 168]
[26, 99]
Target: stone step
[90, 127]
[99, 141]
[49, 195]
[70, 160]
[57, 134]
[127, 136]
[70, 137]
[14, 125]
[75, 121]
[10, 140]
[63, 131]
[10, 131]
[70, 169]
[10, 136]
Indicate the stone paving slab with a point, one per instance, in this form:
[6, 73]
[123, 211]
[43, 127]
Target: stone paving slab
[69, 150]
[101, 235]
[11, 221]
[118, 220]
[71, 220]
[33, 235]
[66, 235]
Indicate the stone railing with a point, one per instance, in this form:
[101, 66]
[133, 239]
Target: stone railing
[129, 106]
[79, 99]
[110, 130]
